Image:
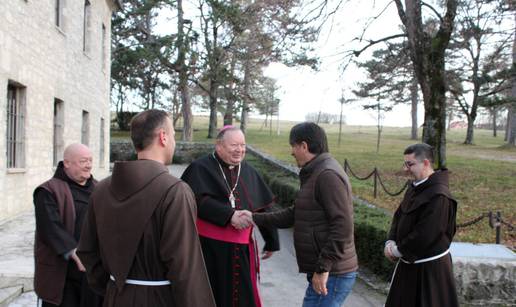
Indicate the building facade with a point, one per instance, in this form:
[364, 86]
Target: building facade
[54, 90]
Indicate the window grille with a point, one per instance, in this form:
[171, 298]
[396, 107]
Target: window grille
[15, 135]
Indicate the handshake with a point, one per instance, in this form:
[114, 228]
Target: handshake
[242, 219]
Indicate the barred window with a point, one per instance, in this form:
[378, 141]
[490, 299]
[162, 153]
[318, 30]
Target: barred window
[58, 130]
[101, 144]
[85, 130]
[15, 135]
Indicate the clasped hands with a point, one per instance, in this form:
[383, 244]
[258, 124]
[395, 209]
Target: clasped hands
[391, 251]
[242, 219]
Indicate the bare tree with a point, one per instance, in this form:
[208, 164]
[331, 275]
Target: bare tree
[479, 58]
[427, 51]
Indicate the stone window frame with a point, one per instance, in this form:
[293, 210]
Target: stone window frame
[86, 31]
[104, 45]
[59, 14]
[58, 133]
[85, 128]
[102, 146]
[16, 109]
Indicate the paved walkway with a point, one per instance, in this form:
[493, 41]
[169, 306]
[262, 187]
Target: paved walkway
[281, 285]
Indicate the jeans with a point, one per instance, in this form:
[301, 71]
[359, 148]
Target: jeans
[339, 286]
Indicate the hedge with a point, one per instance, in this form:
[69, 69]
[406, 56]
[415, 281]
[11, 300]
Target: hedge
[371, 224]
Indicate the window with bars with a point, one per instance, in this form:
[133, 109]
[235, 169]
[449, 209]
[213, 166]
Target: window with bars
[85, 130]
[15, 134]
[58, 131]
[101, 144]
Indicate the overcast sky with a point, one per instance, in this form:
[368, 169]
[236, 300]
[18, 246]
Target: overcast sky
[304, 91]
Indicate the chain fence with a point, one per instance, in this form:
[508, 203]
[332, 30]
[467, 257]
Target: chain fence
[494, 218]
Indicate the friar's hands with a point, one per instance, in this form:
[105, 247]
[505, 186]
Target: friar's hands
[240, 219]
[319, 281]
[77, 261]
[388, 252]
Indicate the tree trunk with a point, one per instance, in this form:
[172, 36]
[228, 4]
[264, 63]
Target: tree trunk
[186, 108]
[508, 124]
[230, 97]
[427, 52]
[469, 131]
[340, 119]
[511, 140]
[495, 119]
[212, 128]
[244, 118]
[413, 111]
[379, 129]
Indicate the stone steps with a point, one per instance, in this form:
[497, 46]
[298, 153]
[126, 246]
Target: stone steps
[9, 294]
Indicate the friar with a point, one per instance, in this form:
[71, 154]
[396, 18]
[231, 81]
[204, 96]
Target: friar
[139, 243]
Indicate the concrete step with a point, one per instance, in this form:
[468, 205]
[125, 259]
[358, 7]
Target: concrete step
[9, 294]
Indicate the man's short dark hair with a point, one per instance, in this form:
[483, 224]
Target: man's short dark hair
[144, 125]
[421, 151]
[312, 134]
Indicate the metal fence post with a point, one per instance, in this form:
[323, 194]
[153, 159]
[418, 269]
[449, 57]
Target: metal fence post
[498, 226]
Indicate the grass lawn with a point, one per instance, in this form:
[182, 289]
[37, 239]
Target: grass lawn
[483, 176]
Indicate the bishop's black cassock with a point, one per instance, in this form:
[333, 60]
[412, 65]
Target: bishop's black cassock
[230, 255]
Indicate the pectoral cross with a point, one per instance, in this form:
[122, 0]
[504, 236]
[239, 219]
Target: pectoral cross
[232, 200]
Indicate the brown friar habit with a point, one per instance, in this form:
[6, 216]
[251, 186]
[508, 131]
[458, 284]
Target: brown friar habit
[232, 267]
[423, 227]
[141, 226]
[60, 205]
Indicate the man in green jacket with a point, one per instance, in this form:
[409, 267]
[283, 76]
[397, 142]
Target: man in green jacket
[322, 216]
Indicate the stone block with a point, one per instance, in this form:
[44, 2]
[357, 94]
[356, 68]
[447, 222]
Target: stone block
[485, 274]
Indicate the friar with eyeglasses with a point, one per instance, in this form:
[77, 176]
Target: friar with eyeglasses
[419, 240]
[61, 204]
[224, 185]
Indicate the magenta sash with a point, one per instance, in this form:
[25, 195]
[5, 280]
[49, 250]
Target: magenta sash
[226, 234]
[233, 235]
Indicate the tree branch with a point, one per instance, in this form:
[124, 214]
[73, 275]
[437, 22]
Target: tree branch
[374, 42]
[433, 10]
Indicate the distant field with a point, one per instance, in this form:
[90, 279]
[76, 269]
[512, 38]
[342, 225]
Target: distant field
[483, 176]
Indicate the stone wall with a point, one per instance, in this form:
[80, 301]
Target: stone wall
[49, 62]
[482, 282]
[186, 152]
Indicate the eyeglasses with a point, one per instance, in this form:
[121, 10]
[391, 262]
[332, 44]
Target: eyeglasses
[84, 162]
[408, 164]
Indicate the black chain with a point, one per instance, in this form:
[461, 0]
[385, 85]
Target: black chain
[492, 218]
[509, 226]
[474, 221]
[360, 178]
[393, 194]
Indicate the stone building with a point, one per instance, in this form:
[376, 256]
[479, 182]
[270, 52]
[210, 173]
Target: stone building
[54, 90]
